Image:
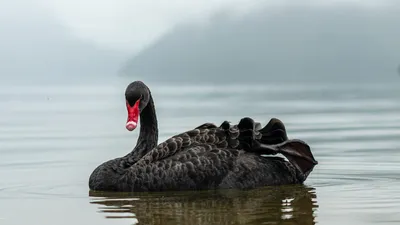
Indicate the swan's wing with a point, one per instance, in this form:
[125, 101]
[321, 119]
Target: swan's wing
[272, 139]
[242, 136]
[182, 142]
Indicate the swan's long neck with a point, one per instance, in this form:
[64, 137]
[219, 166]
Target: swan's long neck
[148, 136]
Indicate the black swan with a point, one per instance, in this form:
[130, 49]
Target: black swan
[206, 157]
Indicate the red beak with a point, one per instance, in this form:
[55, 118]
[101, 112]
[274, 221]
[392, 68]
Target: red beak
[133, 115]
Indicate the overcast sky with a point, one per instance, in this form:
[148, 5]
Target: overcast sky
[96, 37]
[131, 25]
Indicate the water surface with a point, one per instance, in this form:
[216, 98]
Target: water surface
[53, 135]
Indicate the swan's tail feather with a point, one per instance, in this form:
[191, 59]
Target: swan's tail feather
[272, 139]
[273, 133]
[296, 151]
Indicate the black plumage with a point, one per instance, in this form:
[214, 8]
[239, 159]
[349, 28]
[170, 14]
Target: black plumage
[206, 157]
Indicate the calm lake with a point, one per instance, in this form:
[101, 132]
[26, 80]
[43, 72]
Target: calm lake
[53, 135]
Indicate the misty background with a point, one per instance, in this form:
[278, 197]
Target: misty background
[327, 68]
[211, 41]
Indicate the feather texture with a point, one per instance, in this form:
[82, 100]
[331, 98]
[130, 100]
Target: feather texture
[206, 157]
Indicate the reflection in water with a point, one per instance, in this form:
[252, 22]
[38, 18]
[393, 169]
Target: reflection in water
[271, 205]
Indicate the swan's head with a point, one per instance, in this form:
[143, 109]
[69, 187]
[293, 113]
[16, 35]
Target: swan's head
[137, 96]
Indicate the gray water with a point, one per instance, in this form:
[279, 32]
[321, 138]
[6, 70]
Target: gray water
[53, 135]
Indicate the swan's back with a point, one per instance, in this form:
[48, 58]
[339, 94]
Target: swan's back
[209, 157]
[237, 137]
